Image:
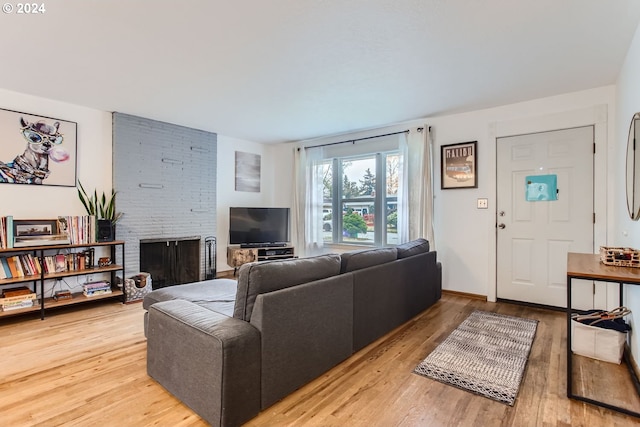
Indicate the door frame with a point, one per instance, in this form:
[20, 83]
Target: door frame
[595, 116]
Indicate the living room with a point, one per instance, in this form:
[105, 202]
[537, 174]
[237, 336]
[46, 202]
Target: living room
[466, 244]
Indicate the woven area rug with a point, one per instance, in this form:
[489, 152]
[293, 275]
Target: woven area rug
[486, 354]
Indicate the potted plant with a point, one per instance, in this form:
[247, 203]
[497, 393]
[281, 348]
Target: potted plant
[103, 209]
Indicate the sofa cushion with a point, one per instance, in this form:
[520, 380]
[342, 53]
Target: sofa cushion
[357, 260]
[268, 276]
[216, 295]
[413, 247]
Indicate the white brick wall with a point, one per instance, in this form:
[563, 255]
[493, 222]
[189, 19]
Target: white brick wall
[165, 176]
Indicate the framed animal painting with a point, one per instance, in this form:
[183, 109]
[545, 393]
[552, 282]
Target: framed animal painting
[37, 150]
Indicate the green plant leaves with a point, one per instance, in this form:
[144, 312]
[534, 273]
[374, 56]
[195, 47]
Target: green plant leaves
[100, 207]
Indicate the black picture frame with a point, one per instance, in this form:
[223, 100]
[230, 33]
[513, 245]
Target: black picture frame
[459, 165]
[37, 150]
[35, 227]
[37, 232]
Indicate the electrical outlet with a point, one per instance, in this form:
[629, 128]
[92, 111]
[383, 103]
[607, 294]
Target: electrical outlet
[89, 278]
[483, 203]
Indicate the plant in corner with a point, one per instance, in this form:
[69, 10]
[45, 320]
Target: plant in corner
[103, 209]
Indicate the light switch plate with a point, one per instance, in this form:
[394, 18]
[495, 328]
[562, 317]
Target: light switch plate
[483, 203]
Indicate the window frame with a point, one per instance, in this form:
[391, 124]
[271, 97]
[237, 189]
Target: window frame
[380, 200]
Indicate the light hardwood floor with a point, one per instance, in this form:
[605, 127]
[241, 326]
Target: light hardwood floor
[87, 368]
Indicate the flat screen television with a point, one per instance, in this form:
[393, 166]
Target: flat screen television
[253, 227]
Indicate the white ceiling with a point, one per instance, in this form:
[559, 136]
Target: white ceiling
[285, 70]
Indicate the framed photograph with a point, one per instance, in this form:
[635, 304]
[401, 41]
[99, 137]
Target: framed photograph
[37, 150]
[458, 164]
[35, 227]
[36, 232]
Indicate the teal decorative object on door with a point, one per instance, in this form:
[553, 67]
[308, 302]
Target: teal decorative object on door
[541, 188]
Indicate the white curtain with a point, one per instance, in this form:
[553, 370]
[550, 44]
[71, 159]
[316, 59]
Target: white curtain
[308, 191]
[418, 186]
[403, 190]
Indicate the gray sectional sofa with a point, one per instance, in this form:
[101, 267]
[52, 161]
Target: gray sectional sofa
[229, 350]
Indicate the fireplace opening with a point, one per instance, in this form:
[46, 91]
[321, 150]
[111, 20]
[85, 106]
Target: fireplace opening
[171, 261]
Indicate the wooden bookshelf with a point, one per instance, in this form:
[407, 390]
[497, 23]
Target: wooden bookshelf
[37, 281]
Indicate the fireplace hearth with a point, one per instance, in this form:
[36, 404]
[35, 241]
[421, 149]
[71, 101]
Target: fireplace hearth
[171, 261]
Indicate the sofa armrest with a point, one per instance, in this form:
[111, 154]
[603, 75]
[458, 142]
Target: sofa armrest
[209, 361]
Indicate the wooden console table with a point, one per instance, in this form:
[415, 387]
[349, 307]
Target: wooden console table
[589, 267]
[236, 255]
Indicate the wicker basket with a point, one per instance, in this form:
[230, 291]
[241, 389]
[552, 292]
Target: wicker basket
[620, 257]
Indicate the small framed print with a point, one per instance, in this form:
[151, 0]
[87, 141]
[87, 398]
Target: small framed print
[37, 232]
[458, 164]
[33, 228]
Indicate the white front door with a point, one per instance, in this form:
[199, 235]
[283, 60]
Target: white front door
[533, 237]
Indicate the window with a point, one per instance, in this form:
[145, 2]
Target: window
[360, 199]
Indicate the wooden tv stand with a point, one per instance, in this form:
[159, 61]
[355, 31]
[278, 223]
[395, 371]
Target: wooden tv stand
[236, 256]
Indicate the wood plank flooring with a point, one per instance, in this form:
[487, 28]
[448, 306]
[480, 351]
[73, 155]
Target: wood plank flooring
[86, 367]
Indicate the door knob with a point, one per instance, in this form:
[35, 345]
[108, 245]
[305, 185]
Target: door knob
[501, 226]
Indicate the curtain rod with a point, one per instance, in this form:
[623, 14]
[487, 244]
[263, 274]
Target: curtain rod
[353, 141]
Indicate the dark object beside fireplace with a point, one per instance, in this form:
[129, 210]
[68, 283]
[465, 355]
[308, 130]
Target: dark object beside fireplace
[171, 261]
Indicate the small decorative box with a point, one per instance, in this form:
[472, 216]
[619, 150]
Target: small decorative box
[620, 257]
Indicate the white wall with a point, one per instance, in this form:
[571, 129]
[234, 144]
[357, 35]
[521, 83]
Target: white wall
[626, 232]
[275, 184]
[94, 160]
[95, 169]
[466, 236]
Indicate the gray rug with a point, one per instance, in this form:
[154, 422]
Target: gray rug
[486, 354]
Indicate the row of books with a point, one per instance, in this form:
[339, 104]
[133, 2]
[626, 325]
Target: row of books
[96, 288]
[69, 262]
[17, 298]
[80, 229]
[23, 265]
[19, 266]
[75, 230]
[6, 232]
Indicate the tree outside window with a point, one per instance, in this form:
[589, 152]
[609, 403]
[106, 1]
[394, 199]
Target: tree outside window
[364, 190]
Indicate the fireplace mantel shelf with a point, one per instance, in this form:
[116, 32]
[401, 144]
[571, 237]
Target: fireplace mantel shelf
[169, 239]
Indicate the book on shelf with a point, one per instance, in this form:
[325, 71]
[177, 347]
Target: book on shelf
[5, 300]
[42, 240]
[80, 229]
[9, 224]
[3, 233]
[26, 266]
[96, 292]
[17, 291]
[60, 263]
[96, 288]
[17, 305]
[15, 267]
[62, 294]
[6, 232]
[5, 266]
[38, 265]
[49, 264]
[94, 285]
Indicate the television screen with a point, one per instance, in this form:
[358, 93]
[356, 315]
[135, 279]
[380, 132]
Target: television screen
[258, 226]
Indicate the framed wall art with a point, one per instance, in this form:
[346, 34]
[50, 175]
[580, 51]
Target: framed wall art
[37, 150]
[37, 232]
[247, 172]
[458, 165]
